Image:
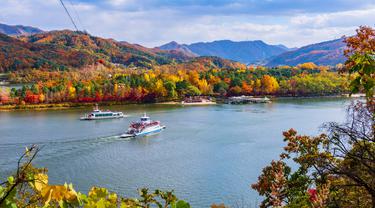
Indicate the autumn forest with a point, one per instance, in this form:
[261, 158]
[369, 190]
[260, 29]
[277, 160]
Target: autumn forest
[100, 83]
[66, 66]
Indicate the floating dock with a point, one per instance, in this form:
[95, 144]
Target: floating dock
[203, 102]
[247, 99]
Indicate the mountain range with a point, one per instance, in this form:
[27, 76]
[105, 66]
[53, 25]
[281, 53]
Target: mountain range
[24, 46]
[261, 53]
[324, 53]
[65, 49]
[248, 52]
[15, 30]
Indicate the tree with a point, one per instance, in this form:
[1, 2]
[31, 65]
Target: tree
[221, 88]
[171, 88]
[5, 95]
[246, 88]
[160, 88]
[193, 91]
[361, 60]
[269, 84]
[307, 65]
[34, 89]
[353, 146]
[204, 87]
[182, 87]
[236, 90]
[72, 92]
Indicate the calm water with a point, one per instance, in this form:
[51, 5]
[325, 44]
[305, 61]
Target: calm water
[207, 154]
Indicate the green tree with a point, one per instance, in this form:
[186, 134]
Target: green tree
[193, 91]
[361, 60]
[171, 88]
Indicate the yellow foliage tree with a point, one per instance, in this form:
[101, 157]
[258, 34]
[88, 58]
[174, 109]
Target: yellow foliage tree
[269, 84]
[159, 88]
[204, 87]
[72, 92]
[42, 98]
[307, 65]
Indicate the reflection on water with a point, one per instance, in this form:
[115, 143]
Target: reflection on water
[207, 154]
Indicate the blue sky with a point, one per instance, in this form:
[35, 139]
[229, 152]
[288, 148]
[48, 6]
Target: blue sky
[293, 23]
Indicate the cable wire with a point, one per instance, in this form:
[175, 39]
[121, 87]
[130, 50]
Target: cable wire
[70, 17]
[76, 13]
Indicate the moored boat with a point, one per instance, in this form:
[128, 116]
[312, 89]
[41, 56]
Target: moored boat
[144, 127]
[98, 114]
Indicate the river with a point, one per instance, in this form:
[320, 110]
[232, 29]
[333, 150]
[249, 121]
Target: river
[207, 154]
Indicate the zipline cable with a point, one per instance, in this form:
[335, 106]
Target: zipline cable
[76, 13]
[70, 17]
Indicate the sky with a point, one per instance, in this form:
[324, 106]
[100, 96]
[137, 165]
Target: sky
[151, 23]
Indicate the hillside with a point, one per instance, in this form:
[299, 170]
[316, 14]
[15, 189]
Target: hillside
[18, 30]
[67, 49]
[324, 53]
[242, 51]
[16, 54]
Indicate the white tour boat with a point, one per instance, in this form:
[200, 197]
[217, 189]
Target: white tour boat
[143, 127]
[97, 114]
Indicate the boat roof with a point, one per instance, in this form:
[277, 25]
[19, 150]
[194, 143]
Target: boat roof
[145, 115]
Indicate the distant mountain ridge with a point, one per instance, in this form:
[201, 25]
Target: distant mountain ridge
[32, 47]
[247, 52]
[61, 50]
[324, 53]
[178, 48]
[70, 49]
[15, 30]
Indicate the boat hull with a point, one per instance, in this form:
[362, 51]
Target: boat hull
[199, 103]
[101, 118]
[144, 133]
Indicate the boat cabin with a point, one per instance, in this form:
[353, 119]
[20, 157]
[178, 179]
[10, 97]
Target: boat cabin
[145, 119]
[101, 114]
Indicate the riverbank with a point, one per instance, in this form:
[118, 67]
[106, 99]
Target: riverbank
[52, 106]
[58, 106]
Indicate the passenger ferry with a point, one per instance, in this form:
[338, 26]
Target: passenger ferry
[144, 127]
[97, 114]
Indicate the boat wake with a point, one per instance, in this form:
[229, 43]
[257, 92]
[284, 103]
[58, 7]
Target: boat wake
[54, 149]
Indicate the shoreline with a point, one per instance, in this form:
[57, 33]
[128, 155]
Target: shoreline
[70, 105]
[58, 106]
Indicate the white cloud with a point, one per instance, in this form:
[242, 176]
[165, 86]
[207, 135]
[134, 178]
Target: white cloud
[10, 7]
[156, 26]
[335, 19]
[120, 2]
